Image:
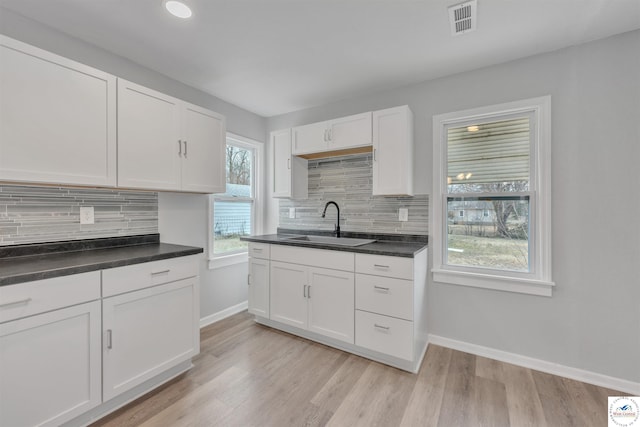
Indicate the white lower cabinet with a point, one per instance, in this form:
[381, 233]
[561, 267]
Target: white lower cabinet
[385, 334]
[288, 294]
[70, 344]
[147, 332]
[371, 305]
[50, 366]
[258, 282]
[330, 298]
[316, 299]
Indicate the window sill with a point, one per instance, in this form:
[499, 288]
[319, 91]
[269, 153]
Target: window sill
[225, 261]
[489, 281]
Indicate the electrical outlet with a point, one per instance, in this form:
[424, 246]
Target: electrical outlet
[292, 213]
[86, 215]
[403, 214]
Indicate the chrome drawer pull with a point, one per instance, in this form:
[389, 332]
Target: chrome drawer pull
[16, 302]
[155, 273]
[109, 341]
[257, 249]
[386, 328]
[380, 288]
[380, 266]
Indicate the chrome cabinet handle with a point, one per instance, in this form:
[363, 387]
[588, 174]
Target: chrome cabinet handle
[289, 164]
[386, 328]
[304, 291]
[185, 149]
[380, 288]
[248, 279]
[109, 340]
[380, 266]
[308, 291]
[374, 154]
[156, 273]
[16, 302]
[257, 249]
[179, 147]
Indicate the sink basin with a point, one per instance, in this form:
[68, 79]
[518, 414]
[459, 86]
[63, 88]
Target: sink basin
[330, 240]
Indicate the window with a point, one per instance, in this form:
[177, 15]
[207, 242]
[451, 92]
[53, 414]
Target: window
[233, 214]
[493, 163]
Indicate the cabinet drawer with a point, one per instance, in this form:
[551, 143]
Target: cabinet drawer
[385, 295]
[384, 334]
[259, 250]
[334, 260]
[382, 265]
[139, 276]
[27, 299]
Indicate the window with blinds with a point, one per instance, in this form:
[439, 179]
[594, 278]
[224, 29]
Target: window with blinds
[491, 198]
[481, 156]
[488, 168]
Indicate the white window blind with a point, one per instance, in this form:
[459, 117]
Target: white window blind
[489, 153]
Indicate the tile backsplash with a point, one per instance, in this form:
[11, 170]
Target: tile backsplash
[47, 214]
[348, 181]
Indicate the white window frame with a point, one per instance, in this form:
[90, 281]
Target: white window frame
[538, 280]
[223, 260]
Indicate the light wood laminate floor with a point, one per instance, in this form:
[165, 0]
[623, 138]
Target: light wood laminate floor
[251, 375]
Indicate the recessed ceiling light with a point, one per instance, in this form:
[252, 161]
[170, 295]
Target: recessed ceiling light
[178, 8]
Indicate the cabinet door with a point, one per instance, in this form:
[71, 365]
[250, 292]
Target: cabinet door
[57, 119]
[288, 294]
[309, 138]
[149, 148]
[393, 152]
[259, 287]
[290, 175]
[331, 303]
[50, 368]
[350, 132]
[281, 149]
[147, 332]
[203, 151]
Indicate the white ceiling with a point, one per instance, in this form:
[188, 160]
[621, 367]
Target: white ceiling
[276, 56]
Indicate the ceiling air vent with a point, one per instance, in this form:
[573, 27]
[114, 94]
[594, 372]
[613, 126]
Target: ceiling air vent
[463, 17]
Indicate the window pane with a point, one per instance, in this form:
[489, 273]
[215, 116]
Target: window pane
[493, 233]
[230, 221]
[489, 157]
[239, 170]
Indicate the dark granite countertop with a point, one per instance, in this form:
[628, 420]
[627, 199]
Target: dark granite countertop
[386, 244]
[23, 263]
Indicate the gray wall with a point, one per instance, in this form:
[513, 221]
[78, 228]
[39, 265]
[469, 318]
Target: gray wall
[182, 218]
[592, 322]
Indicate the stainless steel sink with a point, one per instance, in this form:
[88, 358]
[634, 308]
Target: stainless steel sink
[329, 240]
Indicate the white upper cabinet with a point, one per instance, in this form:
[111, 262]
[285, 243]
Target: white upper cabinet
[350, 132]
[290, 176]
[204, 151]
[149, 151]
[309, 139]
[57, 119]
[167, 144]
[393, 151]
[334, 135]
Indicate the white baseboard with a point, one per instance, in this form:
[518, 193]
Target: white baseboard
[213, 318]
[614, 383]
